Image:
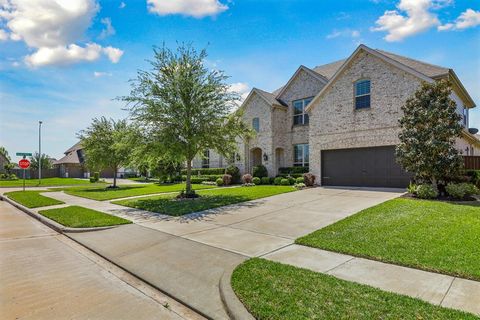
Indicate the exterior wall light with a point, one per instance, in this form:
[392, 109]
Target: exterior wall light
[265, 157]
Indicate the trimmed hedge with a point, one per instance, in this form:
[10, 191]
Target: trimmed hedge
[292, 170]
[205, 171]
[293, 175]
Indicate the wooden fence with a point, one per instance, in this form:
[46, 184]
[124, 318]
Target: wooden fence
[472, 162]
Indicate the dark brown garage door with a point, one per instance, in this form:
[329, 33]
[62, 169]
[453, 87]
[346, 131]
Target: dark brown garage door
[363, 167]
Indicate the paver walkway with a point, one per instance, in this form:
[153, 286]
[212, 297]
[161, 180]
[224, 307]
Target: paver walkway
[433, 287]
[43, 276]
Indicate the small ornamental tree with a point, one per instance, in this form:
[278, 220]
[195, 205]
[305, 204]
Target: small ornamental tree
[108, 144]
[429, 127]
[43, 159]
[185, 107]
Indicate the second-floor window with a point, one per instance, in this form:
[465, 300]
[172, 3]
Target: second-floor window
[300, 155]
[465, 117]
[206, 159]
[300, 116]
[362, 94]
[256, 124]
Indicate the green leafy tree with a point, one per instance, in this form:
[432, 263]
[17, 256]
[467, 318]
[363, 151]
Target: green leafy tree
[44, 159]
[108, 144]
[185, 107]
[9, 167]
[429, 127]
[4, 153]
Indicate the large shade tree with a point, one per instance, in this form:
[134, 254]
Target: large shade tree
[108, 144]
[429, 128]
[185, 107]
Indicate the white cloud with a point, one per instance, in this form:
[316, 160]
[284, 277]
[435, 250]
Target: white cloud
[412, 17]
[194, 8]
[122, 5]
[242, 88]
[3, 35]
[109, 29]
[343, 33]
[98, 74]
[114, 54]
[52, 29]
[467, 19]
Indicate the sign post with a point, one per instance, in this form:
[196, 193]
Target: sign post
[24, 164]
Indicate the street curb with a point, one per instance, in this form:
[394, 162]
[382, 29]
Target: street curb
[234, 307]
[49, 222]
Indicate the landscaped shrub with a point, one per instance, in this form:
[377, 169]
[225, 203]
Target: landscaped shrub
[256, 181]
[219, 182]
[285, 182]
[234, 172]
[260, 171]
[227, 179]
[292, 180]
[196, 180]
[209, 183]
[6, 176]
[455, 190]
[294, 175]
[299, 180]
[205, 171]
[95, 177]
[278, 181]
[470, 189]
[208, 177]
[474, 176]
[412, 188]
[265, 180]
[293, 170]
[247, 178]
[309, 179]
[299, 186]
[426, 191]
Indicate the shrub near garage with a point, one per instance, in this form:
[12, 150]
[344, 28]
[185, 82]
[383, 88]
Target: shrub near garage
[265, 180]
[219, 182]
[260, 171]
[256, 181]
[285, 182]
[234, 172]
[277, 181]
[426, 191]
[247, 178]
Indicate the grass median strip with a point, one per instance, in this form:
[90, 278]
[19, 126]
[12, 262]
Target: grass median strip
[80, 217]
[167, 204]
[430, 235]
[46, 182]
[124, 191]
[272, 290]
[32, 199]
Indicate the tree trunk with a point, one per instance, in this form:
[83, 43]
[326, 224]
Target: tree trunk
[188, 188]
[115, 169]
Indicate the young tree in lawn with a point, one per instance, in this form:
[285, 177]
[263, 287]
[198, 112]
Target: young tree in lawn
[185, 107]
[45, 160]
[429, 127]
[108, 144]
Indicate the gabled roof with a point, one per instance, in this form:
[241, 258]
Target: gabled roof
[329, 69]
[266, 96]
[75, 147]
[373, 52]
[71, 155]
[314, 74]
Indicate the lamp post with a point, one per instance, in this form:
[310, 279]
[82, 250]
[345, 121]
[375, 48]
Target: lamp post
[39, 152]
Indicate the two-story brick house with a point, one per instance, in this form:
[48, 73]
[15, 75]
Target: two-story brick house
[340, 120]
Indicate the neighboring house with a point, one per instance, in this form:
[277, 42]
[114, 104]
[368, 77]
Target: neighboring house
[341, 120]
[72, 165]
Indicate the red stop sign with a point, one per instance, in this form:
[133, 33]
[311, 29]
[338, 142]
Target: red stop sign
[24, 163]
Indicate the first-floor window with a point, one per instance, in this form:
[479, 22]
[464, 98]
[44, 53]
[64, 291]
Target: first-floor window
[300, 155]
[206, 159]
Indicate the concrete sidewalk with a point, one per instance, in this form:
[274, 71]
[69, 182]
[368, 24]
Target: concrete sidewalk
[439, 289]
[43, 275]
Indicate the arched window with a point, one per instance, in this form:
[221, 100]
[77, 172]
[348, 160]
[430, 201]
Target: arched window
[256, 124]
[362, 94]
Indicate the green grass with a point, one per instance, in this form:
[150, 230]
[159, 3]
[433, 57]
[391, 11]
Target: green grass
[272, 290]
[80, 217]
[167, 204]
[124, 191]
[143, 180]
[430, 235]
[32, 199]
[46, 182]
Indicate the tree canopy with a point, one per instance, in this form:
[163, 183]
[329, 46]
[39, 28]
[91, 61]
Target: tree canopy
[429, 127]
[45, 160]
[108, 144]
[184, 107]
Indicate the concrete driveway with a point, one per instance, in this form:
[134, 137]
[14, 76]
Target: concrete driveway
[258, 227]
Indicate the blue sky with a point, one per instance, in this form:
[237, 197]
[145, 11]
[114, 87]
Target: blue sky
[68, 68]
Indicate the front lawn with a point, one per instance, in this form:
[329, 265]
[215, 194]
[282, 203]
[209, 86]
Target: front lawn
[271, 290]
[32, 199]
[80, 217]
[430, 235]
[124, 191]
[167, 204]
[46, 182]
